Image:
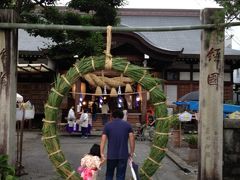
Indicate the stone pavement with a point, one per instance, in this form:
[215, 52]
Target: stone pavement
[38, 166]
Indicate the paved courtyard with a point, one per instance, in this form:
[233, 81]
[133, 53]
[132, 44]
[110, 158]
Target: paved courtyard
[38, 166]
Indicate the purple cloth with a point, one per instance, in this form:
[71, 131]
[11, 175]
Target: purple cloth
[77, 128]
[84, 131]
[89, 129]
[69, 129]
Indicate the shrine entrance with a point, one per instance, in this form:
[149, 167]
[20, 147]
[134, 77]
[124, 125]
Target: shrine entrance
[211, 88]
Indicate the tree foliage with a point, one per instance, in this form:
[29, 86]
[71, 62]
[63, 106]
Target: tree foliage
[79, 12]
[231, 8]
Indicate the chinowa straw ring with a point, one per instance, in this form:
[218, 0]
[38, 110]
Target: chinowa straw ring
[64, 83]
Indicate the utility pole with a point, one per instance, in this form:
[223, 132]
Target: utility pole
[211, 99]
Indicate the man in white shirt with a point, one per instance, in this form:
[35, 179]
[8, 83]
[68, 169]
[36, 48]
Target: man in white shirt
[84, 123]
[71, 114]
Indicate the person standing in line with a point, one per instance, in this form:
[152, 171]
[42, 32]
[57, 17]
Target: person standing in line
[90, 164]
[71, 118]
[84, 123]
[117, 132]
[94, 110]
[89, 124]
[105, 109]
[71, 114]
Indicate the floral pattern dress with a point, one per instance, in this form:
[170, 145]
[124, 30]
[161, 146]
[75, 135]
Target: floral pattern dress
[89, 167]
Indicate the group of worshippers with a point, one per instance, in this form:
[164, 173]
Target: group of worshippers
[83, 124]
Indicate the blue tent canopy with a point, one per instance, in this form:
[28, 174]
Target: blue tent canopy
[193, 106]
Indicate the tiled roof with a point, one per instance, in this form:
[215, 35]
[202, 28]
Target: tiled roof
[175, 40]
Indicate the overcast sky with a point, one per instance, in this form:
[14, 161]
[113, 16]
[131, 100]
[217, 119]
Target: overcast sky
[179, 4]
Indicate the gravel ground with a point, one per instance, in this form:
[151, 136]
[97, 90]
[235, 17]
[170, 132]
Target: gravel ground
[38, 166]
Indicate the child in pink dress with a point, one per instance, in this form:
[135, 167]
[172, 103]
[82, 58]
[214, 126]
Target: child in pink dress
[90, 164]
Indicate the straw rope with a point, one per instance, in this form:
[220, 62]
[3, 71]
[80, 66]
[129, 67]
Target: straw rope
[126, 67]
[58, 151]
[145, 173]
[65, 79]
[70, 175]
[108, 56]
[50, 137]
[93, 65]
[58, 93]
[80, 74]
[159, 148]
[109, 93]
[154, 161]
[140, 80]
[153, 88]
[62, 164]
[47, 121]
[51, 107]
[159, 103]
[163, 118]
[160, 133]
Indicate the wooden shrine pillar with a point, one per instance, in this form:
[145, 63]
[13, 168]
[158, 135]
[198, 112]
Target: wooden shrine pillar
[77, 95]
[8, 62]
[211, 99]
[144, 106]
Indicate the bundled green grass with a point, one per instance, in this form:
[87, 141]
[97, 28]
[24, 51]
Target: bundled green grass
[63, 85]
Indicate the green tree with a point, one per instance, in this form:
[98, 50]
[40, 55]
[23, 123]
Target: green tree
[231, 9]
[79, 12]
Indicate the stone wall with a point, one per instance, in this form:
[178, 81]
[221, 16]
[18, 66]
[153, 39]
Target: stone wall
[231, 149]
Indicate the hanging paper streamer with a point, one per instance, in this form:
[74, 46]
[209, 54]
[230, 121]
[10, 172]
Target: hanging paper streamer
[119, 90]
[105, 90]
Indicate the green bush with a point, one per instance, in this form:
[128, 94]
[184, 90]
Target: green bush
[191, 139]
[175, 123]
[7, 172]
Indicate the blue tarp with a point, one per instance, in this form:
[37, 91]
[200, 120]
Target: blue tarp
[193, 106]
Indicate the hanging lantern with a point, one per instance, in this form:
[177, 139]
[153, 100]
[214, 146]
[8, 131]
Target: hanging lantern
[98, 91]
[128, 88]
[113, 93]
[73, 91]
[137, 100]
[83, 89]
[138, 97]
[120, 102]
[80, 99]
[100, 102]
[139, 90]
[119, 105]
